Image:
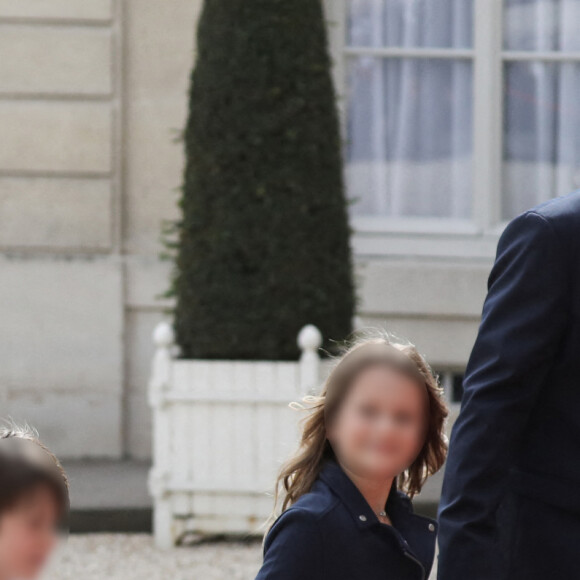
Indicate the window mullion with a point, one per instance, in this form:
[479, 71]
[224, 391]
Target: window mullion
[487, 113]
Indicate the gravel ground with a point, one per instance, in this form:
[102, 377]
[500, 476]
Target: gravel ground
[134, 557]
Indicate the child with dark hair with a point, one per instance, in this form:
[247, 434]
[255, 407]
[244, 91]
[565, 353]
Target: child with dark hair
[34, 503]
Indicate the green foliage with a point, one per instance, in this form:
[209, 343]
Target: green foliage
[263, 243]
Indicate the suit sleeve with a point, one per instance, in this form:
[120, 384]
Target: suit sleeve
[523, 321]
[293, 548]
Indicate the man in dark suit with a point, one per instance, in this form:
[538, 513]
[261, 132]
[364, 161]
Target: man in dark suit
[510, 503]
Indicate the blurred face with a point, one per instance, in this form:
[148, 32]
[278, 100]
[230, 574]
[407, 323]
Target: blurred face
[28, 533]
[379, 428]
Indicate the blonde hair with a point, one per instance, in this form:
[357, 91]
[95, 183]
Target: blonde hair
[375, 346]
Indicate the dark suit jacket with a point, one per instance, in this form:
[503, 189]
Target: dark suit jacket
[518, 431]
[331, 533]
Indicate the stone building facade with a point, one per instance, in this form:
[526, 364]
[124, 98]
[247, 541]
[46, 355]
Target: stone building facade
[92, 96]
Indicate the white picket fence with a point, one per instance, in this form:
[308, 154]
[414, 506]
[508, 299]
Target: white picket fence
[221, 429]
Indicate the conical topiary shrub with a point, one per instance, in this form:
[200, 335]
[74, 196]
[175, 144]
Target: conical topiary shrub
[263, 243]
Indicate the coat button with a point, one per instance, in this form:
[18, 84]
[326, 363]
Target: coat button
[431, 527]
[362, 518]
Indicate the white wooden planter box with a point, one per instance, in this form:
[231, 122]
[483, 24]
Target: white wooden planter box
[221, 429]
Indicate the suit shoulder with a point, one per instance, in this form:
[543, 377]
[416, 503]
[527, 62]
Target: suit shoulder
[539, 226]
[562, 213]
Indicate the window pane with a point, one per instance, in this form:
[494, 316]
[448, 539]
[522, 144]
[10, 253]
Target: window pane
[410, 23]
[409, 134]
[546, 25]
[541, 133]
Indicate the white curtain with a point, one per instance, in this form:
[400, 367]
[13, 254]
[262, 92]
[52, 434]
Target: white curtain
[410, 120]
[409, 149]
[542, 104]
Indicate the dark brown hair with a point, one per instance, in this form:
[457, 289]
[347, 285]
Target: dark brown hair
[25, 464]
[298, 474]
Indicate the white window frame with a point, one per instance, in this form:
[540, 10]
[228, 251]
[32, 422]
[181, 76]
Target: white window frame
[439, 237]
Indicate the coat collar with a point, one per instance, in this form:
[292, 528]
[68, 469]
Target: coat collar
[334, 476]
[416, 533]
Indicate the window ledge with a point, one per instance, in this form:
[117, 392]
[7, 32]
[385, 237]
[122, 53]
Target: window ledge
[440, 245]
[413, 225]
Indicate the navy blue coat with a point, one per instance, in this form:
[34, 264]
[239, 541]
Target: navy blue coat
[510, 503]
[331, 533]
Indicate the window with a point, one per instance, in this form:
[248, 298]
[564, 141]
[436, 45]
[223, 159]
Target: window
[452, 383]
[541, 130]
[409, 98]
[457, 114]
